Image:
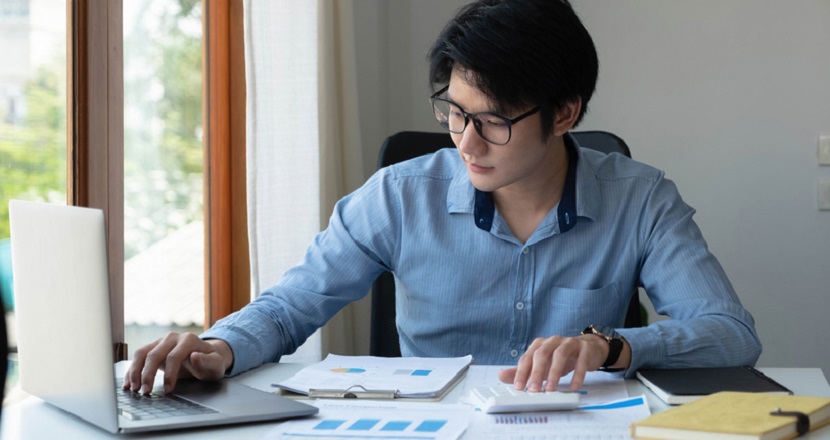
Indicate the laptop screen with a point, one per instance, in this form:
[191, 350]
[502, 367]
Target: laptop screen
[59, 263]
[65, 344]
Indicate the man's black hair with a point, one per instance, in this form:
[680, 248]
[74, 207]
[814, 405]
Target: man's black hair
[519, 53]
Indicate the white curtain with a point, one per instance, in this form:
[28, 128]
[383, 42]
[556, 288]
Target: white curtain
[303, 142]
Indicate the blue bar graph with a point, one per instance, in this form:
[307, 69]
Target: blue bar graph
[364, 424]
[396, 425]
[430, 425]
[373, 427]
[329, 424]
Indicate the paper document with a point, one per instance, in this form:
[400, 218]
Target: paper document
[607, 421]
[353, 419]
[599, 386]
[403, 377]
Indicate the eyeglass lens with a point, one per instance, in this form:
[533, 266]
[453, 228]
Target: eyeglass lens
[492, 128]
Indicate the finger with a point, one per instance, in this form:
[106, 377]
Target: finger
[206, 366]
[542, 359]
[186, 344]
[580, 368]
[559, 366]
[132, 380]
[508, 375]
[179, 361]
[525, 365]
[155, 360]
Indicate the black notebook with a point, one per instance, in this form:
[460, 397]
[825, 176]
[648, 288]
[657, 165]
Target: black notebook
[683, 385]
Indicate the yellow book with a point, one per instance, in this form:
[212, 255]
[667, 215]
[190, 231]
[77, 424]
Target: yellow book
[734, 416]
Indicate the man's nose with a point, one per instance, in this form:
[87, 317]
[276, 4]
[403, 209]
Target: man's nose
[471, 142]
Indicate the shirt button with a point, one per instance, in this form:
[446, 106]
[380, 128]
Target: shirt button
[525, 250]
[520, 305]
[514, 353]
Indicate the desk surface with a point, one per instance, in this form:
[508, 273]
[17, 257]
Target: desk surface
[33, 418]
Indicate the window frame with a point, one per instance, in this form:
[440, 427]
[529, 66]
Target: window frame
[95, 131]
[227, 270]
[95, 145]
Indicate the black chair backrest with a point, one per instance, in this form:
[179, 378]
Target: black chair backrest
[406, 145]
[411, 144]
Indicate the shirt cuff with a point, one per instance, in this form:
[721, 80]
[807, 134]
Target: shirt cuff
[647, 348]
[246, 353]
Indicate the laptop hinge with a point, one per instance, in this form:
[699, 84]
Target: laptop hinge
[120, 351]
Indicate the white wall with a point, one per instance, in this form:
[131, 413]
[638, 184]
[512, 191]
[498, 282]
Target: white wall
[728, 98]
[393, 38]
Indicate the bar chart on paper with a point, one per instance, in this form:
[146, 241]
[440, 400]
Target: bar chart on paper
[608, 421]
[366, 425]
[377, 420]
[375, 427]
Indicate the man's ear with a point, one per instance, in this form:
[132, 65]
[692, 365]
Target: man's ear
[566, 117]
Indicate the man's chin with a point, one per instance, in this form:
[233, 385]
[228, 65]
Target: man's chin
[484, 185]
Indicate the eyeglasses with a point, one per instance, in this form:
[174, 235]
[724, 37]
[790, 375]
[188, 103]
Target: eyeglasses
[493, 128]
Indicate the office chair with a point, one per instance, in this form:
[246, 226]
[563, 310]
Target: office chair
[384, 339]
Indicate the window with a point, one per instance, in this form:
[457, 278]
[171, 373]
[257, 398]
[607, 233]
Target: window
[62, 130]
[163, 169]
[32, 119]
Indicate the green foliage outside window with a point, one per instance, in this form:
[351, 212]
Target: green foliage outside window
[33, 153]
[163, 121]
[163, 128]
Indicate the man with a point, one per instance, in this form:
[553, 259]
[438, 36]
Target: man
[520, 248]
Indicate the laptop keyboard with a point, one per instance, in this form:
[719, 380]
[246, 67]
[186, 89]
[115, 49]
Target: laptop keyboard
[137, 406]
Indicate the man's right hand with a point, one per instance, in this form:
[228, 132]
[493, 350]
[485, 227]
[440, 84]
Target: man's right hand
[179, 355]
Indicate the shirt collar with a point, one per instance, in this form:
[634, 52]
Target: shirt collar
[579, 196]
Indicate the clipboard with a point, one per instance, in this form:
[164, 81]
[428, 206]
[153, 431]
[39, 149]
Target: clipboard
[361, 393]
[353, 392]
[312, 381]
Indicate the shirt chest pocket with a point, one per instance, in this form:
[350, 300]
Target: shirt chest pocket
[571, 309]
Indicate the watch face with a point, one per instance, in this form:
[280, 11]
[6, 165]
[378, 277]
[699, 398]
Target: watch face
[600, 330]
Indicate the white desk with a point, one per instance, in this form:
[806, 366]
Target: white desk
[31, 418]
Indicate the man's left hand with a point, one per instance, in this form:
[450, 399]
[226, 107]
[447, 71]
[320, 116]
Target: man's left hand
[548, 359]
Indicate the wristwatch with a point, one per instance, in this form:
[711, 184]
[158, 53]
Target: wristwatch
[615, 344]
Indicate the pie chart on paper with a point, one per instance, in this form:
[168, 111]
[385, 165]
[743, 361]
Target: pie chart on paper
[348, 370]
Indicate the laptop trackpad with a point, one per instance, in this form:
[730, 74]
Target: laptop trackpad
[234, 399]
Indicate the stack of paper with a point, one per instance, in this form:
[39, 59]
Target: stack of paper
[376, 377]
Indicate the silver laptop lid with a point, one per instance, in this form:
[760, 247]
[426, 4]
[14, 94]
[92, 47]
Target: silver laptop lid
[66, 353]
[61, 289]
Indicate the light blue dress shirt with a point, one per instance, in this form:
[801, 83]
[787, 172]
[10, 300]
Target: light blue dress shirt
[466, 285]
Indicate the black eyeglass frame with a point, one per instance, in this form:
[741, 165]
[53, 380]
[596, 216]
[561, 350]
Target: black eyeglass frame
[476, 121]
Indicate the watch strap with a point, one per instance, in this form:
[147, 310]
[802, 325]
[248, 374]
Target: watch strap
[615, 345]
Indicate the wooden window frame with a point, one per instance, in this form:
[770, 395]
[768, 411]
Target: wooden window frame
[227, 269]
[95, 131]
[95, 145]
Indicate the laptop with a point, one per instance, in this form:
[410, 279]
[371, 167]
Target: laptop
[65, 344]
